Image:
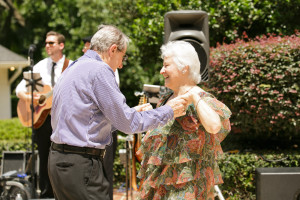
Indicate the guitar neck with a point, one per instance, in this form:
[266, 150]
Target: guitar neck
[143, 100]
[49, 94]
[44, 97]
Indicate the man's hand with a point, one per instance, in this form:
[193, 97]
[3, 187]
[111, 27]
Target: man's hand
[143, 107]
[178, 105]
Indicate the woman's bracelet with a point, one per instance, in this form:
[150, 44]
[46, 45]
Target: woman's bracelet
[198, 102]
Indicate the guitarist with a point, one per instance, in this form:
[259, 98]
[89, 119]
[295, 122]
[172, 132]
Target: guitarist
[50, 69]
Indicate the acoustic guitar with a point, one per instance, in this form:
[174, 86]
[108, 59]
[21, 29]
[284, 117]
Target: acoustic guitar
[41, 110]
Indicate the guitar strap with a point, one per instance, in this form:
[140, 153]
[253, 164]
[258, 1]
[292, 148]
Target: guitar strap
[66, 64]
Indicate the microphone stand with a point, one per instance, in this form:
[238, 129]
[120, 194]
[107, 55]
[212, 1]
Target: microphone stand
[33, 84]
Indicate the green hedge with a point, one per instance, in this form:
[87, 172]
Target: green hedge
[259, 80]
[12, 130]
[239, 171]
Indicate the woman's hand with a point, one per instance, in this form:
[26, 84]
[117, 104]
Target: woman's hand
[192, 96]
[208, 117]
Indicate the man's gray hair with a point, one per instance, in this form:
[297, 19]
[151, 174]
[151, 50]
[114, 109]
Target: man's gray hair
[183, 54]
[106, 36]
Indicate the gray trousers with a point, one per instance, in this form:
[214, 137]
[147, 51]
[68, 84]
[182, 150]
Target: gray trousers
[108, 161]
[77, 177]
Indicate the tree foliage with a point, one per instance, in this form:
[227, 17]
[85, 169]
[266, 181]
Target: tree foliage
[143, 21]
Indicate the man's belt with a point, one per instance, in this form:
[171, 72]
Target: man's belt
[78, 150]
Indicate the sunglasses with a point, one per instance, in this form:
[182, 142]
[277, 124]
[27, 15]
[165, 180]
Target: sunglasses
[50, 43]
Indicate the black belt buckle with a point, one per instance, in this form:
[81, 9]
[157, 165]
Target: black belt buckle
[95, 152]
[104, 152]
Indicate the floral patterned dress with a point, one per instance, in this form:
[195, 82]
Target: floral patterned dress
[179, 159]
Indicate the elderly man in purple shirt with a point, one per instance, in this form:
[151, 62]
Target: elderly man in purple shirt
[87, 106]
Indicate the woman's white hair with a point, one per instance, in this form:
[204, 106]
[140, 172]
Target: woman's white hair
[183, 54]
[106, 36]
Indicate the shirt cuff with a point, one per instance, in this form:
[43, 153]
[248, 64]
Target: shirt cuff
[167, 111]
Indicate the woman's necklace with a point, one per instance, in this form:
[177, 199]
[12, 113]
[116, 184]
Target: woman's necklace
[172, 96]
[188, 90]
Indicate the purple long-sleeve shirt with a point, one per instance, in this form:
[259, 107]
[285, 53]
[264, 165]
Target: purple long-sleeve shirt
[88, 105]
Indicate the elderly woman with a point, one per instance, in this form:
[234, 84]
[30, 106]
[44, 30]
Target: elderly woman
[179, 159]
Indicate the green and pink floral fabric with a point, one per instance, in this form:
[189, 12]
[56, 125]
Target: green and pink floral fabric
[179, 159]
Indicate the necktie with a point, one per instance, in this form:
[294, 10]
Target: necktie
[52, 74]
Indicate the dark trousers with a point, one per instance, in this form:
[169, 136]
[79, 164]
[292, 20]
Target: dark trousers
[108, 162]
[77, 177]
[42, 139]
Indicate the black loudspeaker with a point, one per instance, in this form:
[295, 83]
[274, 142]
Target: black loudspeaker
[278, 183]
[19, 161]
[190, 26]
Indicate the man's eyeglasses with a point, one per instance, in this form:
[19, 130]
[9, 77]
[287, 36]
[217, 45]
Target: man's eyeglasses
[125, 57]
[50, 43]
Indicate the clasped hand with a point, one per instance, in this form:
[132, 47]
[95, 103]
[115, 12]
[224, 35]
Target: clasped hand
[178, 105]
[143, 107]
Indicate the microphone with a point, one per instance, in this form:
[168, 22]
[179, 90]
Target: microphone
[31, 49]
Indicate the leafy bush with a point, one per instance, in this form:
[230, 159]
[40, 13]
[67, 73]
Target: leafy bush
[13, 136]
[239, 171]
[259, 80]
[12, 130]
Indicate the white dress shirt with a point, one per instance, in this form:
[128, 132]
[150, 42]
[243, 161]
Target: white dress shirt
[117, 77]
[44, 68]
